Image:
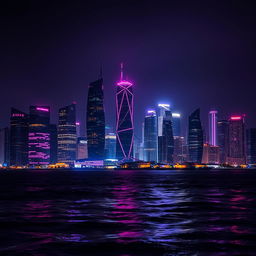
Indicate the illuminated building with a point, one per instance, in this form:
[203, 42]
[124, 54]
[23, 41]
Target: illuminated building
[110, 145]
[82, 151]
[211, 154]
[195, 137]
[213, 127]
[95, 121]
[4, 147]
[78, 129]
[165, 139]
[176, 123]
[124, 119]
[236, 141]
[160, 116]
[251, 145]
[53, 143]
[67, 139]
[150, 136]
[222, 128]
[179, 154]
[18, 138]
[39, 136]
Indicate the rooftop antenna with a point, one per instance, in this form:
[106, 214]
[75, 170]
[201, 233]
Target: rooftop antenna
[122, 71]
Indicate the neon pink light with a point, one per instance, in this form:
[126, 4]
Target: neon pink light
[236, 118]
[125, 83]
[43, 109]
[17, 115]
[77, 123]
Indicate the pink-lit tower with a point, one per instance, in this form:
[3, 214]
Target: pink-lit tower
[124, 119]
[213, 127]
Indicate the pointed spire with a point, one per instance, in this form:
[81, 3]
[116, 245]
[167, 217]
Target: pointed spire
[122, 71]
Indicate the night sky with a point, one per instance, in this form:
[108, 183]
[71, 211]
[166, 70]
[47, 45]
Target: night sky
[190, 54]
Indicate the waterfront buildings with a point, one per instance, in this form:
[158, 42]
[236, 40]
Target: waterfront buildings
[53, 143]
[211, 154]
[222, 133]
[195, 137]
[165, 140]
[251, 145]
[95, 120]
[4, 147]
[39, 135]
[213, 127]
[236, 141]
[110, 146]
[179, 152]
[67, 139]
[124, 119]
[176, 123]
[82, 150]
[18, 138]
[150, 136]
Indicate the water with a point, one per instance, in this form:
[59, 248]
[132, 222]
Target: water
[128, 213]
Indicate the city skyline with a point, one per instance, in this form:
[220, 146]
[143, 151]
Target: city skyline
[200, 57]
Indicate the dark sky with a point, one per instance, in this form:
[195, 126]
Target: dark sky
[188, 53]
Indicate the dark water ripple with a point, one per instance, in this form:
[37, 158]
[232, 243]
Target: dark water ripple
[128, 213]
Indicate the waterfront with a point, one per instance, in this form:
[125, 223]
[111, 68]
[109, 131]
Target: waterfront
[128, 213]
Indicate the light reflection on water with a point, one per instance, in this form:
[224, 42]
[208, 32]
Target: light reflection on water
[128, 213]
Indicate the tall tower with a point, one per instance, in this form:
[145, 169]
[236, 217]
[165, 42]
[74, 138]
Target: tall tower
[95, 120]
[150, 136]
[222, 133]
[195, 137]
[124, 118]
[236, 141]
[213, 127]
[67, 134]
[39, 135]
[18, 138]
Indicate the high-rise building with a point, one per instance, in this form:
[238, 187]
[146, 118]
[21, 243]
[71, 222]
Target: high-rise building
[82, 152]
[95, 121]
[67, 140]
[176, 122]
[150, 136]
[222, 128]
[124, 119]
[179, 153]
[53, 143]
[39, 135]
[78, 129]
[236, 141]
[165, 140]
[110, 145]
[251, 145]
[195, 137]
[162, 107]
[18, 138]
[213, 127]
[211, 154]
[4, 147]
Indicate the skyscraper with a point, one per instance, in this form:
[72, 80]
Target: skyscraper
[124, 119]
[110, 145]
[236, 141]
[251, 145]
[18, 138]
[176, 124]
[95, 121]
[67, 140]
[53, 143]
[222, 128]
[195, 137]
[39, 135]
[150, 136]
[213, 127]
[211, 154]
[82, 151]
[166, 140]
[179, 153]
[4, 147]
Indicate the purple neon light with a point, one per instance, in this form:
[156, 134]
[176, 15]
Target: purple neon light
[213, 118]
[42, 109]
[124, 85]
